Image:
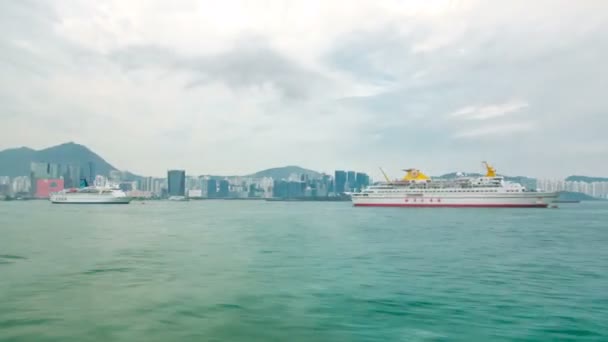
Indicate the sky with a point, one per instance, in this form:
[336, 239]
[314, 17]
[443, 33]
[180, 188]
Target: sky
[232, 87]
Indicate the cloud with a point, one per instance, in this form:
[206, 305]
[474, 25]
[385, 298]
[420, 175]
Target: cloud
[496, 130]
[489, 111]
[251, 63]
[234, 86]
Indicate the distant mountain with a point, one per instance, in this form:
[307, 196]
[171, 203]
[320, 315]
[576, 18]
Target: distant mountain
[16, 162]
[586, 179]
[285, 172]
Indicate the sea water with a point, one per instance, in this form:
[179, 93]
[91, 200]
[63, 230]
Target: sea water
[301, 271]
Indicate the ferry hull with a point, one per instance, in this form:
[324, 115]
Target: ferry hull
[451, 205]
[89, 199]
[527, 200]
[92, 202]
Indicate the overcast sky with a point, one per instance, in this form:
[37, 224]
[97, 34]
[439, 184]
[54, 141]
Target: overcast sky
[229, 87]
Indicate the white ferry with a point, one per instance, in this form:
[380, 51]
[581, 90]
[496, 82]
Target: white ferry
[418, 190]
[91, 195]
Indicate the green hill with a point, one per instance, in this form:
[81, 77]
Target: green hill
[586, 179]
[284, 172]
[16, 162]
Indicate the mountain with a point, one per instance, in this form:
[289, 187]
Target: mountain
[16, 162]
[586, 179]
[285, 172]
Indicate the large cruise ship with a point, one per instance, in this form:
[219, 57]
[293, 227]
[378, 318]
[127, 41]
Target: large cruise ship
[418, 190]
[91, 195]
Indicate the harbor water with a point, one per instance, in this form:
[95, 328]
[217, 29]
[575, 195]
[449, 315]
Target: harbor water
[301, 271]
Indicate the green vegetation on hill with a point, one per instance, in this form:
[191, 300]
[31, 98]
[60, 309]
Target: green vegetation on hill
[586, 179]
[16, 162]
[285, 172]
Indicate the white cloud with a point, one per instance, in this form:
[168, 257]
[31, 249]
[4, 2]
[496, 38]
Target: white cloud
[489, 111]
[496, 130]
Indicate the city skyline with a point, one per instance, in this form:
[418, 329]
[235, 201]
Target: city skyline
[46, 178]
[234, 88]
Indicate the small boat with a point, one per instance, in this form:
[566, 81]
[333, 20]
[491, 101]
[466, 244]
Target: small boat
[178, 198]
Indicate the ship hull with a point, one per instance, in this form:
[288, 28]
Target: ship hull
[104, 202]
[89, 199]
[521, 200]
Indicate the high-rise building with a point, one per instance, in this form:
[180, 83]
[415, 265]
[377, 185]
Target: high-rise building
[339, 182]
[43, 170]
[71, 175]
[224, 189]
[280, 189]
[21, 185]
[5, 185]
[158, 186]
[212, 188]
[361, 180]
[88, 172]
[296, 189]
[351, 180]
[38, 170]
[145, 184]
[176, 180]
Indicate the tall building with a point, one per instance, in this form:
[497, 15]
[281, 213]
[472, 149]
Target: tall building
[361, 180]
[71, 175]
[212, 188]
[88, 172]
[176, 180]
[295, 189]
[5, 185]
[158, 186]
[43, 170]
[224, 189]
[280, 189]
[145, 184]
[339, 182]
[351, 180]
[21, 185]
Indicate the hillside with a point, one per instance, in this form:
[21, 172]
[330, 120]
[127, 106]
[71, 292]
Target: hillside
[284, 172]
[16, 162]
[586, 179]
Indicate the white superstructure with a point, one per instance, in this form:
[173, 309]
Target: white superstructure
[418, 190]
[91, 195]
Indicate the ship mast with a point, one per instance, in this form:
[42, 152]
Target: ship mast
[385, 176]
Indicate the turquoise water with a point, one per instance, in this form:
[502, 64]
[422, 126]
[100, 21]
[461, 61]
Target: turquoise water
[276, 271]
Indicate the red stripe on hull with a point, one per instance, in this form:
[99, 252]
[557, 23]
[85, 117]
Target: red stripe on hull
[419, 205]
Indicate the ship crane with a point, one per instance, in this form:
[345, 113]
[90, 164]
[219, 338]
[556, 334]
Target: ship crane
[490, 170]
